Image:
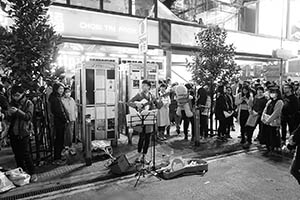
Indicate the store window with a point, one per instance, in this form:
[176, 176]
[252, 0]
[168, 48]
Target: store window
[143, 8]
[87, 3]
[60, 1]
[120, 6]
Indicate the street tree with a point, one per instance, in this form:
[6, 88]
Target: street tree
[29, 46]
[213, 61]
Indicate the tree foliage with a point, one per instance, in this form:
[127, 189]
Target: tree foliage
[214, 59]
[29, 46]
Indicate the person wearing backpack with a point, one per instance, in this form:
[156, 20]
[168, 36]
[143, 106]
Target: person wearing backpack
[19, 115]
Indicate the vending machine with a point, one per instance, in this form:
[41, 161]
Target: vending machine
[96, 90]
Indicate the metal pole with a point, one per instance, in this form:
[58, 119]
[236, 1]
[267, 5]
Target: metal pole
[145, 65]
[281, 73]
[88, 139]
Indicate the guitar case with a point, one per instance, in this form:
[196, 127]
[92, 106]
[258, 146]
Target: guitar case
[185, 167]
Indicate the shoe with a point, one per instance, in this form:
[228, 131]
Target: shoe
[33, 178]
[65, 151]
[186, 138]
[247, 145]
[72, 152]
[60, 162]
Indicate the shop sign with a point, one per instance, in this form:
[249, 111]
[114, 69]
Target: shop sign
[143, 37]
[244, 42]
[100, 26]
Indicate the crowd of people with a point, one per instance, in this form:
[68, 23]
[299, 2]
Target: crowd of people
[272, 109]
[16, 125]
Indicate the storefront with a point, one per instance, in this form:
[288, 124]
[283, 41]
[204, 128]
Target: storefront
[251, 49]
[93, 35]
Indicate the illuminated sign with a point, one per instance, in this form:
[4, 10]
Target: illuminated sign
[246, 43]
[99, 26]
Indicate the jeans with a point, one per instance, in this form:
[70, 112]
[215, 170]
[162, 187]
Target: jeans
[144, 142]
[291, 123]
[186, 123]
[21, 149]
[222, 128]
[243, 120]
[204, 126]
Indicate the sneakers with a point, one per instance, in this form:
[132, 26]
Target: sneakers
[60, 162]
[72, 151]
[33, 178]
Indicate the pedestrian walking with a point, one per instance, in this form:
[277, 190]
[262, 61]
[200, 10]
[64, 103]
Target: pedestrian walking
[231, 107]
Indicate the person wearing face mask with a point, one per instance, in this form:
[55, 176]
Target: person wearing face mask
[61, 119]
[271, 119]
[19, 114]
[71, 108]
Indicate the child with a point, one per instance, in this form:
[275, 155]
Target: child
[71, 108]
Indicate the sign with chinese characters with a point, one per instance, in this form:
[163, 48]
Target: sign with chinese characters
[83, 24]
[143, 37]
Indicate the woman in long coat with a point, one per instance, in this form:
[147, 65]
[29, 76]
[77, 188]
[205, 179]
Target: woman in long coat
[163, 117]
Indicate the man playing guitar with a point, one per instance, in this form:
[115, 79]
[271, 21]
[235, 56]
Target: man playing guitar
[144, 139]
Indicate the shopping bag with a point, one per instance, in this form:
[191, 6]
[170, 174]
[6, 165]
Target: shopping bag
[18, 176]
[5, 183]
[252, 119]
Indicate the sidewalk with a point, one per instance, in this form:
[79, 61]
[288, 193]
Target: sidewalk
[52, 178]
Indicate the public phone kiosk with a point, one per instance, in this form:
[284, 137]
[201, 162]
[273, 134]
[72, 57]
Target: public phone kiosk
[96, 83]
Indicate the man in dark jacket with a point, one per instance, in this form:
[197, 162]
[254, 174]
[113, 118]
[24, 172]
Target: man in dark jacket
[289, 111]
[20, 115]
[294, 140]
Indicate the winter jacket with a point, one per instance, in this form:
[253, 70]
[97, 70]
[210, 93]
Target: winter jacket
[58, 110]
[20, 122]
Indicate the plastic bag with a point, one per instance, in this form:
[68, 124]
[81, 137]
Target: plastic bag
[18, 176]
[5, 183]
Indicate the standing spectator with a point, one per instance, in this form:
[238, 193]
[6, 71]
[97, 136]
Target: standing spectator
[61, 119]
[259, 104]
[289, 111]
[244, 102]
[7, 85]
[271, 119]
[174, 118]
[4, 124]
[231, 105]
[204, 103]
[71, 108]
[163, 119]
[220, 109]
[20, 115]
[189, 120]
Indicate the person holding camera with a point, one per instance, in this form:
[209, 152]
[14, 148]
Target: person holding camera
[19, 115]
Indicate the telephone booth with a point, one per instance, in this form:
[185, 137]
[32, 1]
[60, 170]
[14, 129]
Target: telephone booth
[96, 91]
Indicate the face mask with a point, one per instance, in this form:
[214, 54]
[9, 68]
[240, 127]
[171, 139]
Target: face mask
[68, 94]
[272, 95]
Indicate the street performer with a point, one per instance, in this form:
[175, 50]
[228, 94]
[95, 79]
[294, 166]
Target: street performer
[144, 139]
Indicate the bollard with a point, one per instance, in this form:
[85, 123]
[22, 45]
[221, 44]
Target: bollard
[130, 133]
[88, 140]
[197, 127]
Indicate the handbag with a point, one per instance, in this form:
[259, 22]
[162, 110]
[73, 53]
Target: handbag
[251, 121]
[227, 114]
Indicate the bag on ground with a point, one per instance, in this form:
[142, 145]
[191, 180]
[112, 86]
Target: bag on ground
[5, 183]
[18, 176]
